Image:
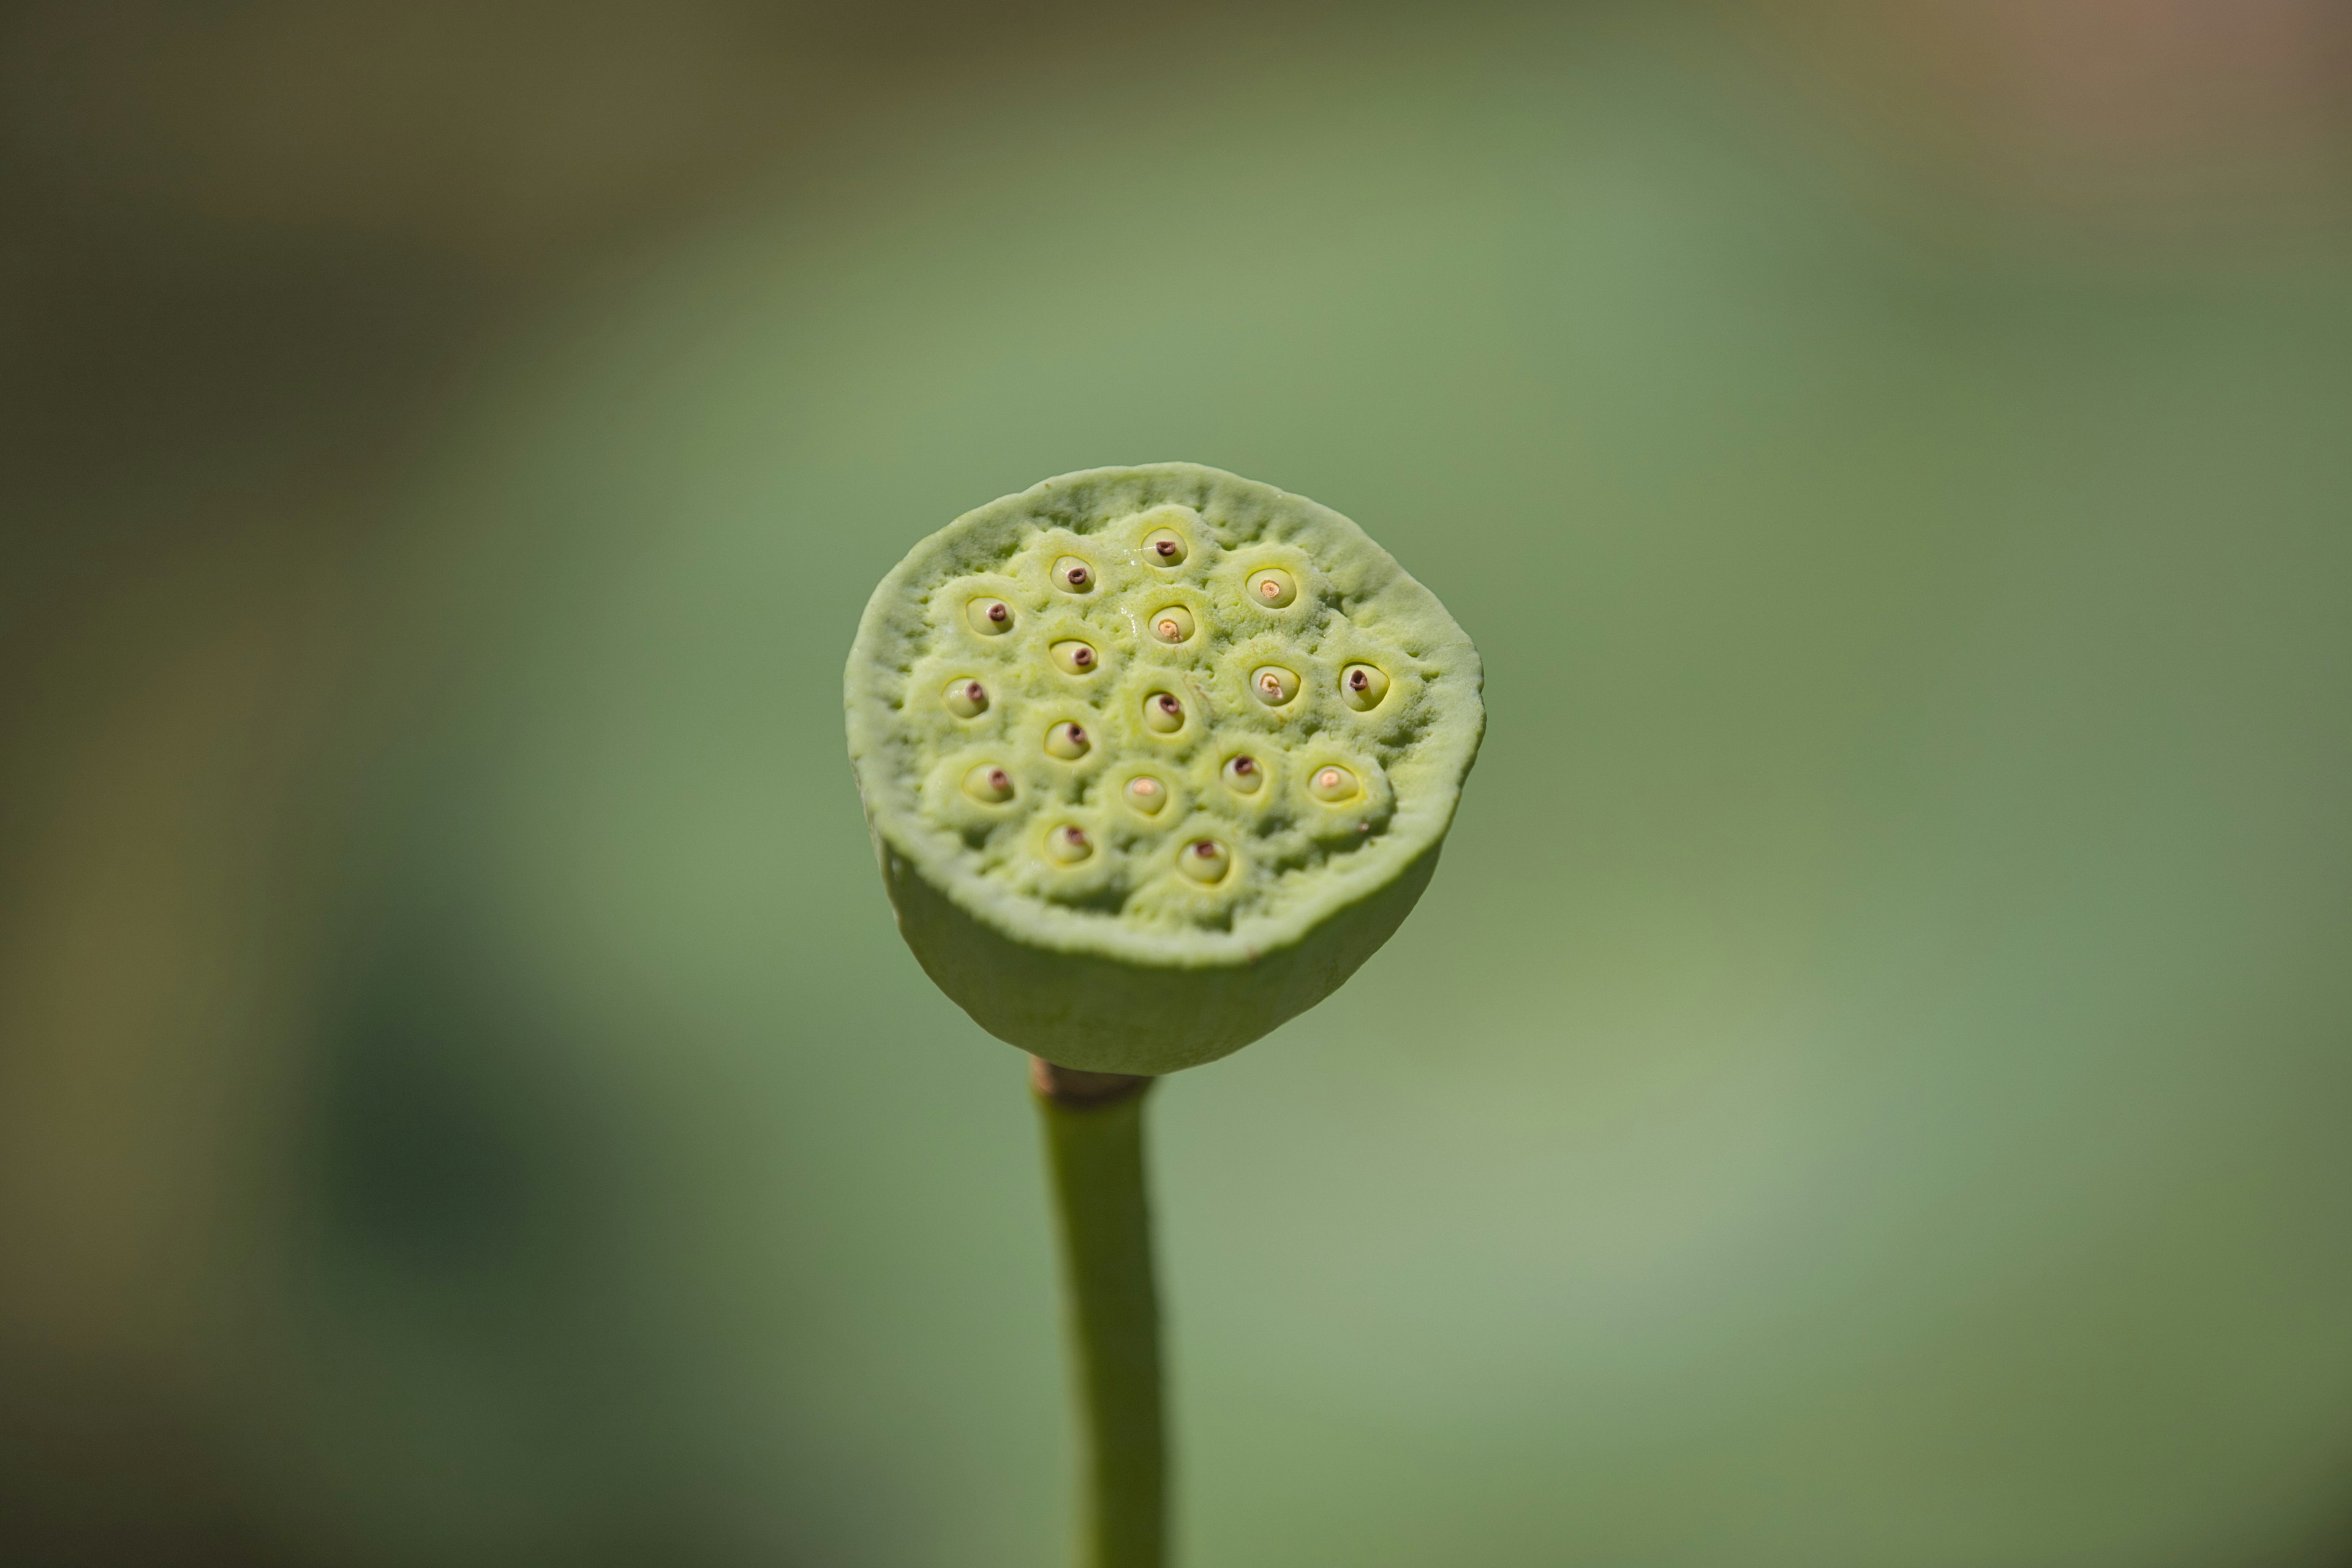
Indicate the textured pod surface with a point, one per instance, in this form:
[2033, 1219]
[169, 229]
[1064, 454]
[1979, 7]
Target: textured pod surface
[1146, 953]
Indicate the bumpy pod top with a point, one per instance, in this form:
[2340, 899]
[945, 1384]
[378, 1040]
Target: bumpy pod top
[1154, 758]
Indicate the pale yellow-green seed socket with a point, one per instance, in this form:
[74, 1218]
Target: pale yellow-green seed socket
[1165, 547]
[1074, 575]
[1206, 861]
[1173, 625]
[1332, 784]
[1145, 796]
[1068, 742]
[988, 784]
[1164, 713]
[990, 617]
[1244, 774]
[965, 698]
[1273, 588]
[1074, 657]
[1361, 687]
[1273, 685]
[1068, 844]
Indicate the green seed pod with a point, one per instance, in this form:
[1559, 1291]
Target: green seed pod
[1083, 861]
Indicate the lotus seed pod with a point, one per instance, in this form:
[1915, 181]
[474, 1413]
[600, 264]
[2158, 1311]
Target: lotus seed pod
[1136, 900]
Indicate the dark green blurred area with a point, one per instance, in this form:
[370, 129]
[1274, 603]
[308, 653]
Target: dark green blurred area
[1867, 1087]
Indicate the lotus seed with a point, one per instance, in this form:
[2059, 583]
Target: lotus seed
[1332, 784]
[1073, 575]
[1205, 861]
[991, 617]
[1274, 684]
[990, 784]
[1173, 625]
[1244, 775]
[1273, 588]
[1162, 713]
[1361, 687]
[1069, 843]
[1166, 545]
[966, 698]
[1074, 656]
[1146, 794]
[1068, 742]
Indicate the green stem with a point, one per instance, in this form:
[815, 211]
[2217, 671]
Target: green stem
[1093, 1148]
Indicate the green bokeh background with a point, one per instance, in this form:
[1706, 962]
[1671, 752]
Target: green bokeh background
[1866, 1087]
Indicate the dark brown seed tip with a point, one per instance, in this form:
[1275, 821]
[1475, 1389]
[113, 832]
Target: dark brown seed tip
[997, 612]
[1166, 547]
[1205, 850]
[1358, 680]
[1244, 764]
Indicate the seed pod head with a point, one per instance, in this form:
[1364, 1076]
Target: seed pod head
[1145, 858]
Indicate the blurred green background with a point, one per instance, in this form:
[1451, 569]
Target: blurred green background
[1868, 1086]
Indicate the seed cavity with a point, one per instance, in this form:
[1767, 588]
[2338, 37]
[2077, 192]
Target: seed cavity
[1332, 784]
[1166, 547]
[1146, 794]
[965, 698]
[1206, 861]
[1361, 687]
[1274, 684]
[1162, 713]
[1069, 843]
[1067, 742]
[1173, 625]
[1073, 575]
[1274, 587]
[990, 617]
[990, 784]
[1076, 658]
[1244, 776]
